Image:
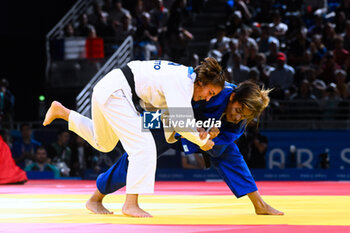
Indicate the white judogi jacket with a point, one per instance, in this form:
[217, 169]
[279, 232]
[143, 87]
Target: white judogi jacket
[159, 84]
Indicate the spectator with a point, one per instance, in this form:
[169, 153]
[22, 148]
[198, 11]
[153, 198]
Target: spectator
[263, 69]
[317, 27]
[340, 78]
[177, 36]
[346, 36]
[304, 92]
[256, 31]
[83, 156]
[302, 69]
[340, 22]
[41, 163]
[84, 27]
[265, 39]
[107, 6]
[7, 104]
[282, 77]
[159, 18]
[23, 149]
[306, 105]
[258, 148]
[146, 39]
[278, 28]
[328, 67]
[69, 30]
[60, 153]
[234, 23]
[329, 35]
[330, 102]
[254, 76]
[244, 9]
[344, 7]
[295, 25]
[108, 32]
[297, 48]
[347, 69]
[219, 45]
[271, 55]
[126, 29]
[250, 58]
[340, 54]
[117, 12]
[317, 48]
[318, 88]
[227, 59]
[245, 41]
[97, 12]
[239, 72]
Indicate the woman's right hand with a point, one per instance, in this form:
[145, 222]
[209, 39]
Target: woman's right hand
[208, 145]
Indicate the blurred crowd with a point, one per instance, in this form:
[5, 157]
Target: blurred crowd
[298, 48]
[157, 31]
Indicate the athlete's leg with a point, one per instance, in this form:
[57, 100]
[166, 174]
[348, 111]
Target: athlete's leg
[108, 182]
[56, 110]
[261, 207]
[96, 131]
[115, 177]
[235, 172]
[94, 204]
[140, 146]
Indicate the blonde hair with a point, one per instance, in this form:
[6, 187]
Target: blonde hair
[210, 72]
[253, 98]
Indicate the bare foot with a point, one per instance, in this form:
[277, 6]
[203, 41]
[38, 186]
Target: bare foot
[97, 207]
[56, 110]
[267, 210]
[131, 207]
[135, 211]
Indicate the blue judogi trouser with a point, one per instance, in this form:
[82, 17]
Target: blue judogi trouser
[230, 165]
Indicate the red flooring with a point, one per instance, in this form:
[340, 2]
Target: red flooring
[127, 228]
[183, 188]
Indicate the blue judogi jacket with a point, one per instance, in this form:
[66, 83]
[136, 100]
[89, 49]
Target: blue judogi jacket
[215, 108]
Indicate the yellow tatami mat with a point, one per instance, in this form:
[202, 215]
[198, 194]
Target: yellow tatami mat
[176, 209]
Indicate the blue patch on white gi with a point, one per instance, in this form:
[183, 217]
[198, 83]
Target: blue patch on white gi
[191, 74]
[151, 120]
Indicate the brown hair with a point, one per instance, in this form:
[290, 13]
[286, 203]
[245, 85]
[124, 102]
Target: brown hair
[252, 97]
[210, 72]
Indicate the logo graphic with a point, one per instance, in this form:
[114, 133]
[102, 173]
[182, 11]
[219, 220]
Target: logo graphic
[176, 119]
[151, 120]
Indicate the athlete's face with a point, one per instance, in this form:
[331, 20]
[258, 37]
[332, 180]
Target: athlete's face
[235, 112]
[202, 92]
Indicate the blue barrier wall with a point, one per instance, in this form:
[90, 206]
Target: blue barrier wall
[309, 145]
[280, 162]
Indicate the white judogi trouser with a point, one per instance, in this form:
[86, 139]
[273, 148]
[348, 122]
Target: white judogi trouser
[117, 119]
